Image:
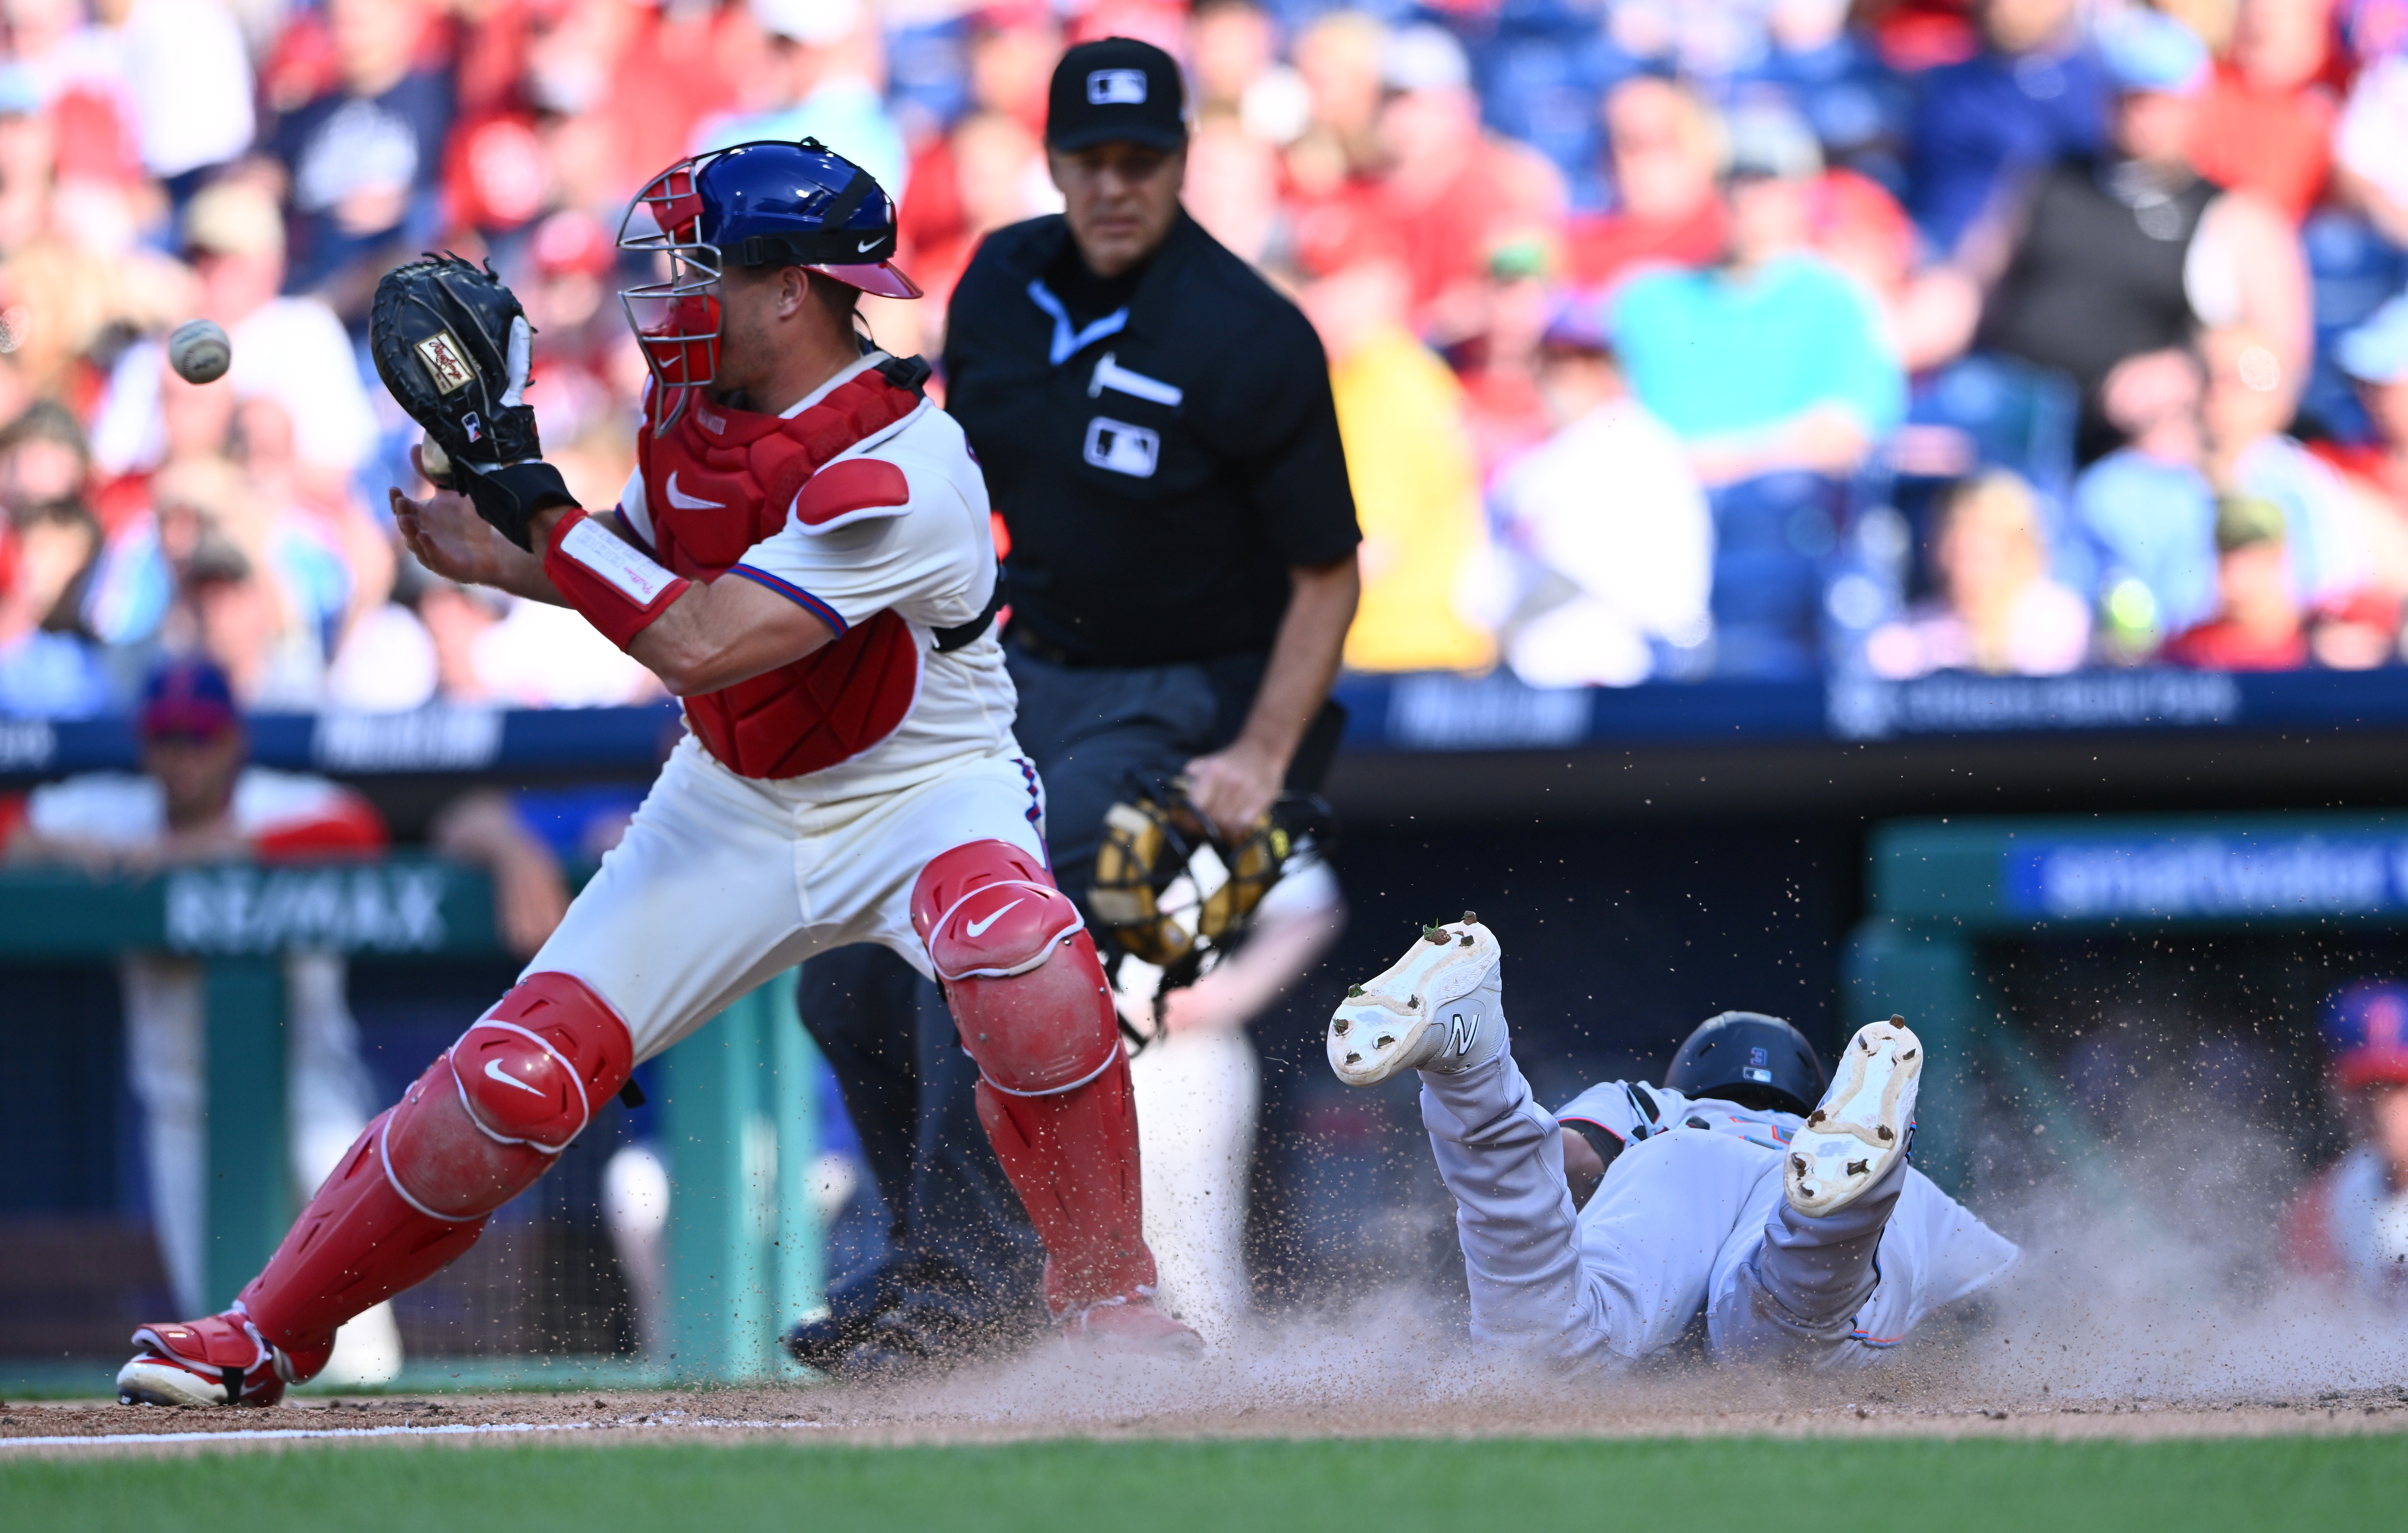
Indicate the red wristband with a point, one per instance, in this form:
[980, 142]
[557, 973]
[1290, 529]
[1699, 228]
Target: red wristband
[618, 587]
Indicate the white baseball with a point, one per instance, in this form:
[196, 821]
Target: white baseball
[433, 460]
[199, 351]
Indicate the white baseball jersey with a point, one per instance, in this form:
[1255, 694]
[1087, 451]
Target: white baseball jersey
[723, 881]
[931, 561]
[277, 813]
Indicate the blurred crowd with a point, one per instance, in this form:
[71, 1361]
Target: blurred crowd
[1670, 339]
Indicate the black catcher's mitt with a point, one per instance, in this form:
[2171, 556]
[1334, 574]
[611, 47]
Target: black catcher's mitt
[451, 344]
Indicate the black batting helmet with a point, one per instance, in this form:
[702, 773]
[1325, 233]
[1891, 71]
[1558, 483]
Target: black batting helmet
[1752, 1059]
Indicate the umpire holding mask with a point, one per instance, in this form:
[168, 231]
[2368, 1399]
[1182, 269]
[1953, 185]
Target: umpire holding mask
[1156, 425]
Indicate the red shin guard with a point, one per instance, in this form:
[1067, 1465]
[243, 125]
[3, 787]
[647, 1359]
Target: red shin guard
[1028, 995]
[1072, 1158]
[358, 1243]
[477, 1129]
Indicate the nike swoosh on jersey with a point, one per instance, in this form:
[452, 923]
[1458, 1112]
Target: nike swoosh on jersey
[868, 245]
[977, 928]
[684, 502]
[493, 1072]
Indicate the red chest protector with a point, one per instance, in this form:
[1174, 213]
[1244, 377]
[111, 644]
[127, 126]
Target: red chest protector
[722, 480]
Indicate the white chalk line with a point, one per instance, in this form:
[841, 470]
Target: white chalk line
[288, 1434]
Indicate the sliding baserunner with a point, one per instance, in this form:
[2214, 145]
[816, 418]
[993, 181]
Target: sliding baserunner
[1749, 1191]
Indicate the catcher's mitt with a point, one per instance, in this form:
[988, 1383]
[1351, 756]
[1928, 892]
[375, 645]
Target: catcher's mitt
[1154, 840]
[452, 345]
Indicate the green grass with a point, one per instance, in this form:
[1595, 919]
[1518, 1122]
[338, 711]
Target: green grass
[1162, 1487]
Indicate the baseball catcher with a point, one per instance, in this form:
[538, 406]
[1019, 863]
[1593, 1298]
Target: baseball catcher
[1749, 1196]
[803, 555]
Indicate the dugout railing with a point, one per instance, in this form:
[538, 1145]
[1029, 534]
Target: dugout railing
[735, 1102]
[1937, 890]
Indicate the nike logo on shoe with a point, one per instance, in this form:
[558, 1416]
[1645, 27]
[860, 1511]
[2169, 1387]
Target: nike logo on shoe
[493, 1072]
[691, 503]
[977, 928]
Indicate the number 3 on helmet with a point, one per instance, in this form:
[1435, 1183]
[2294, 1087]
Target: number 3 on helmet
[767, 204]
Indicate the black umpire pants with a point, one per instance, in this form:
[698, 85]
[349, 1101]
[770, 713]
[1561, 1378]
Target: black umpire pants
[1093, 732]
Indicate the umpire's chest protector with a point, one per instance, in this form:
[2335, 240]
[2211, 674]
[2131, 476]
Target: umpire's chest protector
[722, 480]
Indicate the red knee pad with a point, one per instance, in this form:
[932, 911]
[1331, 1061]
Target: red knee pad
[487, 1118]
[1019, 969]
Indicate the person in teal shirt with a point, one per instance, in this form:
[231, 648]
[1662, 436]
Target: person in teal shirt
[1774, 360]
[1773, 369]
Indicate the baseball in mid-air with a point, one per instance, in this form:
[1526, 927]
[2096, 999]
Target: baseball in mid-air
[435, 462]
[199, 351]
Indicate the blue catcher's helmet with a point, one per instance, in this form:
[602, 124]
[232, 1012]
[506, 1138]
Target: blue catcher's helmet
[766, 204]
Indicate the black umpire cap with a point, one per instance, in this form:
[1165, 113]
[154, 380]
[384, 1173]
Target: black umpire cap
[1116, 90]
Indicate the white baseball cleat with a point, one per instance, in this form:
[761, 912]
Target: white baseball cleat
[1863, 1123]
[1441, 1007]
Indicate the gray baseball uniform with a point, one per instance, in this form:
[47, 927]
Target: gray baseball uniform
[1689, 1221]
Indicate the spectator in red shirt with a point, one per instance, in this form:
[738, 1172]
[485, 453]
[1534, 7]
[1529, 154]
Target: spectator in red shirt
[1448, 191]
[2258, 625]
[2266, 121]
[1338, 59]
[1662, 143]
[2349, 1226]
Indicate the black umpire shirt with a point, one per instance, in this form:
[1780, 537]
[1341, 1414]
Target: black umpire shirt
[1163, 445]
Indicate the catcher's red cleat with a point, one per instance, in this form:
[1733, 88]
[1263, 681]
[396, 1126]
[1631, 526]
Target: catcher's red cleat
[221, 1360]
[1130, 1323]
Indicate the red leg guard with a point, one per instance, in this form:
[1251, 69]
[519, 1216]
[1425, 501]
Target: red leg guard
[485, 1120]
[1073, 1159]
[1029, 997]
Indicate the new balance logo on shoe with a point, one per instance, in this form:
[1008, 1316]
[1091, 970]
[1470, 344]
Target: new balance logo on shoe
[1459, 1034]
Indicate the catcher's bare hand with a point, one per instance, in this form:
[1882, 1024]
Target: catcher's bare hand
[451, 540]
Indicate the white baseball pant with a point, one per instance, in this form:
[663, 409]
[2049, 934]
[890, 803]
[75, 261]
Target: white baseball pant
[722, 882]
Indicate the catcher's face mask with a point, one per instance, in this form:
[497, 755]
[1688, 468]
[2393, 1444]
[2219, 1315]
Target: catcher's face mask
[677, 320]
[756, 206]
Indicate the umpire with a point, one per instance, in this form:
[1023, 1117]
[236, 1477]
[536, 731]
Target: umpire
[1156, 428]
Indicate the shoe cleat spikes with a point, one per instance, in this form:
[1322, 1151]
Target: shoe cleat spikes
[1860, 1127]
[1402, 1006]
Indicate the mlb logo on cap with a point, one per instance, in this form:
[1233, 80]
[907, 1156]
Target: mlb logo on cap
[1116, 88]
